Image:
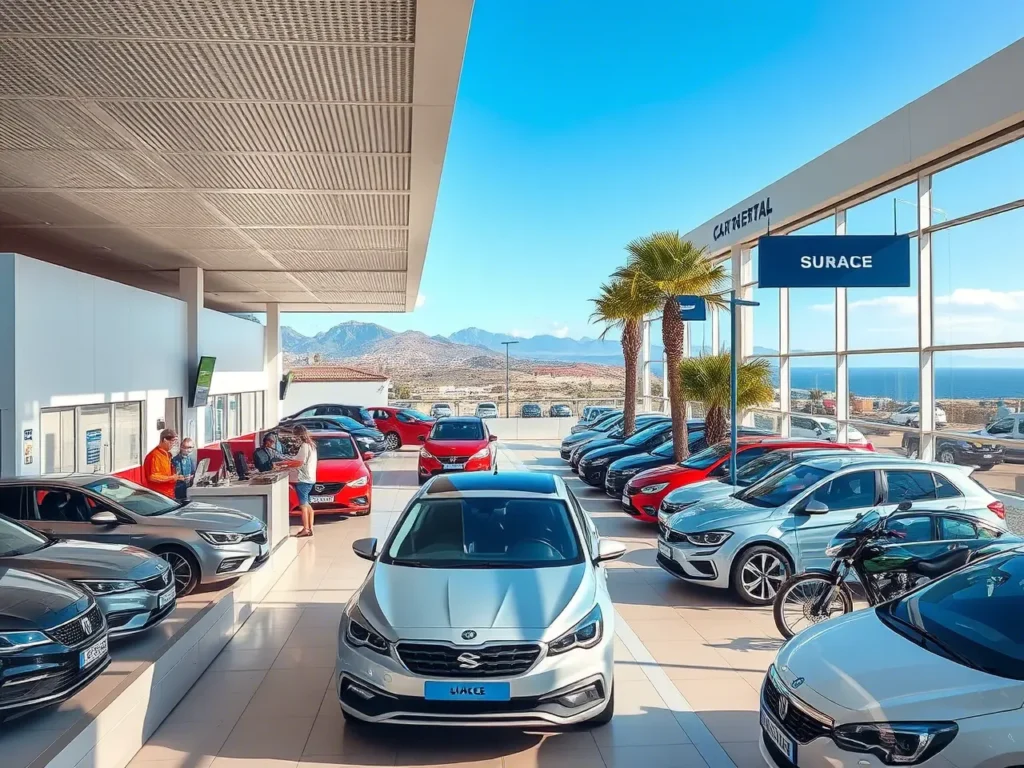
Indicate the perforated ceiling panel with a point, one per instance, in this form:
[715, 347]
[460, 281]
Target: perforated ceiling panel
[270, 142]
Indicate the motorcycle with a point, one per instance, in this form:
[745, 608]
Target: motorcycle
[885, 572]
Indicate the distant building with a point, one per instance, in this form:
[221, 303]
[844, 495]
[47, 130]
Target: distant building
[334, 384]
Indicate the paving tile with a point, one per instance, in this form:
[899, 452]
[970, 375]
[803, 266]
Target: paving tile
[290, 692]
[218, 696]
[745, 754]
[683, 660]
[728, 726]
[183, 740]
[719, 695]
[653, 756]
[182, 761]
[257, 736]
[311, 656]
[244, 659]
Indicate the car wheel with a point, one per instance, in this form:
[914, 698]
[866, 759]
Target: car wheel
[946, 456]
[606, 716]
[759, 573]
[392, 442]
[184, 566]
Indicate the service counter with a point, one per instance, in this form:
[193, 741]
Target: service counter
[264, 496]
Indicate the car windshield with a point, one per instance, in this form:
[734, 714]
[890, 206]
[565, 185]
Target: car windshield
[828, 426]
[707, 457]
[485, 533]
[864, 523]
[132, 497]
[971, 616]
[457, 430]
[365, 416]
[347, 423]
[335, 448]
[779, 488]
[16, 540]
[414, 414]
[664, 451]
[759, 468]
[644, 435]
[607, 423]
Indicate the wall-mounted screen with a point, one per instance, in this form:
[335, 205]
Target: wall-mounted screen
[203, 379]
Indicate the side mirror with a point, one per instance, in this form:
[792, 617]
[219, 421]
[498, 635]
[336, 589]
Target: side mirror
[365, 548]
[814, 507]
[422, 438]
[904, 506]
[104, 518]
[609, 549]
[492, 439]
[367, 456]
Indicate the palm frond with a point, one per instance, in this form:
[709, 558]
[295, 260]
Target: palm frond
[707, 379]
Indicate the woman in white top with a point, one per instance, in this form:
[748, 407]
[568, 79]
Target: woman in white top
[305, 463]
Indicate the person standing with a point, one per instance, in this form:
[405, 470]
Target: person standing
[305, 462]
[185, 466]
[157, 471]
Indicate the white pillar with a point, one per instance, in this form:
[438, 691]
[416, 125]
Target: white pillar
[190, 288]
[645, 365]
[842, 367]
[742, 277]
[785, 393]
[272, 365]
[716, 335]
[924, 304]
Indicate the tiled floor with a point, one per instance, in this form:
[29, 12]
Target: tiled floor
[689, 666]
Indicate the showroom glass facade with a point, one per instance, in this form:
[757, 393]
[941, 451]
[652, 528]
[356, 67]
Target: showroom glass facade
[233, 415]
[870, 357]
[103, 437]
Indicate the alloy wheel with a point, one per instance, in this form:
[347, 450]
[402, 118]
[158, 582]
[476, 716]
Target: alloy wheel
[762, 576]
[946, 457]
[182, 570]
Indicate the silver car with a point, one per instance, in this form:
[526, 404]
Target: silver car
[753, 540]
[202, 543]
[486, 411]
[486, 605]
[133, 588]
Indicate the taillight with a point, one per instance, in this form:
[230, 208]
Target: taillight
[869, 446]
[998, 509]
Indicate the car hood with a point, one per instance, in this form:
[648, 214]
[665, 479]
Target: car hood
[89, 560]
[418, 601]
[34, 601]
[374, 434]
[441, 448]
[640, 462]
[339, 470]
[856, 662]
[712, 513]
[597, 444]
[200, 515]
[700, 491]
[617, 451]
[581, 437]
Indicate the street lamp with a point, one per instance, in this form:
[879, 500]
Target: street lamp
[507, 343]
[733, 304]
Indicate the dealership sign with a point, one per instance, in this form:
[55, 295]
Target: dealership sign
[756, 212]
[833, 261]
[692, 308]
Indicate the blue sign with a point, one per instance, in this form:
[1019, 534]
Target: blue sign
[93, 445]
[692, 307]
[833, 261]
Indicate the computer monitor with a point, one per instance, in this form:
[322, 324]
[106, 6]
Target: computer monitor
[229, 459]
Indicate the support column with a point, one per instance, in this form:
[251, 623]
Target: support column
[645, 365]
[785, 393]
[924, 302]
[190, 289]
[842, 361]
[716, 332]
[742, 276]
[272, 365]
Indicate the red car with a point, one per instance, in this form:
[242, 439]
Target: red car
[460, 444]
[709, 463]
[401, 426]
[344, 484]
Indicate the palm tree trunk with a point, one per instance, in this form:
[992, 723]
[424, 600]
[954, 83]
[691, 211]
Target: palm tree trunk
[632, 339]
[672, 329]
[715, 425]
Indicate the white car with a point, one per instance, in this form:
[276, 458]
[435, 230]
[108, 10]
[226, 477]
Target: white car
[487, 411]
[486, 605]
[822, 428]
[911, 417]
[934, 678]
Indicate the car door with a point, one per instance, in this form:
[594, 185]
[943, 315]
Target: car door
[66, 513]
[847, 495]
[919, 535]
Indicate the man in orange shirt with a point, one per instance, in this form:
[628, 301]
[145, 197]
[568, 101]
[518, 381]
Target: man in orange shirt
[157, 472]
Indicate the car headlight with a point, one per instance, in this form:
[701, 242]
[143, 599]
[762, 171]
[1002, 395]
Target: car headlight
[359, 633]
[598, 462]
[586, 634]
[896, 743]
[425, 454]
[482, 453]
[708, 538]
[12, 642]
[107, 587]
[627, 472]
[358, 483]
[222, 538]
[654, 488]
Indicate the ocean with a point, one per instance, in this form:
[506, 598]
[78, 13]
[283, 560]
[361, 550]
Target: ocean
[901, 383]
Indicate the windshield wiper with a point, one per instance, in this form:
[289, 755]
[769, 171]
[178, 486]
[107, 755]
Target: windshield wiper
[490, 564]
[926, 637]
[410, 563]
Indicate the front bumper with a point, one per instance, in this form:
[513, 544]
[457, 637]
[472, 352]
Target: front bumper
[615, 481]
[428, 467]
[230, 562]
[704, 565]
[976, 457]
[641, 506]
[347, 500]
[593, 474]
[136, 611]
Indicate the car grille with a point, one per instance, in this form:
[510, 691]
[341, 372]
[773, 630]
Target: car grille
[452, 459]
[36, 684]
[443, 660]
[260, 537]
[669, 535]
[327, 488]
[157, 583]
[799, 724]
[73, 632]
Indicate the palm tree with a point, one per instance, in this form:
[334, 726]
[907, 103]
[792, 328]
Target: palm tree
[659, 268]
[708, 380]
[618, 307]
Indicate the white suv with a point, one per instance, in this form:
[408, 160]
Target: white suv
[911, 417]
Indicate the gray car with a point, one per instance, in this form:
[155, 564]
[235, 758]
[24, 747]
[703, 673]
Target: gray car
[133, 588]
[201, 542]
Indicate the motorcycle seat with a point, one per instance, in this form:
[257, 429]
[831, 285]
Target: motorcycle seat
[942, 564]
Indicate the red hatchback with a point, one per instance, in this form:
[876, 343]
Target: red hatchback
[401, 426]
[344, 484]
[644, 492]
[460, 444]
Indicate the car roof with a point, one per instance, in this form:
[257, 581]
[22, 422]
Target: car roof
[459, 420]
[329, 433]
[846, 458]
[76, 479]
[784, 442]
[513, 483]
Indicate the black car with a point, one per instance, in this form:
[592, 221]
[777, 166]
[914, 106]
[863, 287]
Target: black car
[958, 450]
[355, 412]
[530, 411]
[614, 437]
[586, 424]
[594, 463]
[600, 428]
[368, 439]
[53, 641]
[560, 411]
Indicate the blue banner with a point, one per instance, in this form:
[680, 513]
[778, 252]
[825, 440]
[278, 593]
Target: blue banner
[692, 308]
[93, 444]
[833, 261]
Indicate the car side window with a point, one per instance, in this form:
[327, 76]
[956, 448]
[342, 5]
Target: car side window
[915, 528]
[329, 410]
[586, 524]
[11, 502]
[749, 455]
[379, 414]
[1001, 427]
[1020, 426]
[944, 489]
[849, 491]
[957, 528]
[57, 505]
[306, 413]
[403, 418]
[909, 486]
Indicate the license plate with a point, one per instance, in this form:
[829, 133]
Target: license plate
[92, 654]
[444, 691]
[625, 499]
[665, 549]
[987, 456]
[454, 466]
[321, 499]
[778, 737]
[166, 598]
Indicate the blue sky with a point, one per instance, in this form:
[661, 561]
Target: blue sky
[581, 124]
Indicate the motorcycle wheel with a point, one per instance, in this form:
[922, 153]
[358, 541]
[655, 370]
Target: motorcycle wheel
[792, 608]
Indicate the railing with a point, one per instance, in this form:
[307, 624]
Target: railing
[467, 407]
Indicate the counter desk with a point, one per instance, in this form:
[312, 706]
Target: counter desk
[264, 496]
